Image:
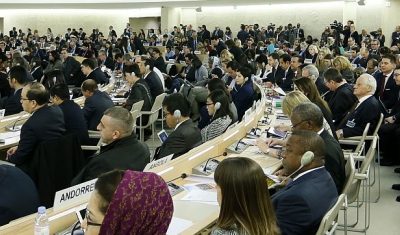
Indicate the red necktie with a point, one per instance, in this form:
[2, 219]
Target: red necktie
[382, 90]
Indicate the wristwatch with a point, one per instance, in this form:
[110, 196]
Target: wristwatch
[341, 133]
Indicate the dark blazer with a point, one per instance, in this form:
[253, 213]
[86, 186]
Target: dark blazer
[334, 160]
[70, 66]
[75, 121]
[276, 77]
[46, 123]
[218, 33]
[361, 62]
[236, 52]
[180, 141]
[156, 87]
[341, 102]
[367, 112]
[108, 62]
[391, 92]
[220, 47]
[37, 73]
[127, 153]
[140, 91]
[98, 76]
[94, 108]
[300, 205]
[5, 89]
[160, 64]
[322, 88]
[206, 35]
[190, 43]
[168, 43]
[13, 34]
[287, 82]
[243, 35]
[17, 184]
[13, 104]
[243, 98]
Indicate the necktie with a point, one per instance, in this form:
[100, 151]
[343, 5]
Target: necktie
[382, 88]
[64, 64]
[42, 45]
[345, 119]
[195, 45]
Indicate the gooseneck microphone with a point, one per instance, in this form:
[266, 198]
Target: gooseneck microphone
[15, 122]
[205, 165]
[237, 145]
[183, 176]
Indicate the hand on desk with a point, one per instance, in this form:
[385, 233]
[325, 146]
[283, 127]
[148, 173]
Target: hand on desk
[273, 142]
[264, 145]
[282, 128]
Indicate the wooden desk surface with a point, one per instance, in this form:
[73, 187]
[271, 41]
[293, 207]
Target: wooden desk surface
[207, 213]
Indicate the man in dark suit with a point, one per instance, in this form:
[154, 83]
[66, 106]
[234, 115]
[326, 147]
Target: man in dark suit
[206, 34]
[310, 71]
[186, 135]
[112, 32]
[70, 67]
[122, 151]
[387, 131]
[17, 184]
[277, 73]
[13, 33]
[146, 66]
[299, 31]
[193, 42]
[67, 35]
[46, 123]
[334, 159]
[367, 109]
[73, 49]
[365, 57]
[167, 41]
[386, 90]
[233, 49]
[95, 104]
[218, 32]
[81, 34]
[106, 61]
[242, 35]
[91, 72]
[73, 117]
[284, 62]
[218, 44]
[17, 79]
[396, 36]
[342, 98]
[304, 201]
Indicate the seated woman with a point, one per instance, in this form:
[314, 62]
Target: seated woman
[55, 62]
[244, 199]
[112, 208]
[313, 53]
[243, 96]
[215, 84]
[309, 89]
[54, 77]
[342, 64]
[218, 106]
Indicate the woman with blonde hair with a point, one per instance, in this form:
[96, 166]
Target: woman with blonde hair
[342, 64]
[313, 53]
[244, 199]
[226, 55]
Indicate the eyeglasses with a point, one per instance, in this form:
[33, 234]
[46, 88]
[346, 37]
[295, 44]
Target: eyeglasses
[87, 219]
[24, 99]
[294, 126]
[209, 104]
[166, 114]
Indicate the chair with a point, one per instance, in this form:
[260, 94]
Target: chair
[362, 176]
[137, 106]
[329, 221]
[360, 143]
[55, 163]
[350, 172]
[153, 116]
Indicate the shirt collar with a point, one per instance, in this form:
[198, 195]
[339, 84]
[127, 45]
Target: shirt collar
[362, 100]
[177, 125]
[306, 172]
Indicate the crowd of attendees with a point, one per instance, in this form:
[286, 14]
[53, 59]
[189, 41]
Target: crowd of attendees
[336, 84]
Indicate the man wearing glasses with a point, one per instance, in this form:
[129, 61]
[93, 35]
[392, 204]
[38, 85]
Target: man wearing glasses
[46, 123]
[17, 79]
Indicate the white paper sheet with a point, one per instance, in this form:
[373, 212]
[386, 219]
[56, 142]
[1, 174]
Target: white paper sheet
[201, 179]
[200, 196]
[178, 225]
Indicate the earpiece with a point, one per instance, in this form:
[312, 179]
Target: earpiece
[131, 60]
[276, 61]
[307, 158]
[177, 114]
[263, 64]
[54, 80]
[33, 64]
[217, 106]
[148, 67]
[246, 79]
[133, 74]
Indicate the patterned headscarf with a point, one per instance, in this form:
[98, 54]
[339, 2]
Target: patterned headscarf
[142, 205]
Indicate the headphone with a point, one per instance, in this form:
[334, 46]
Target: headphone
[33, 64]
[255, 131]
[263, 64]
[133, 74]
[148, 67]
[54, 80]
[246, 79]
[217, 106]
[307, 158]
[177, 114]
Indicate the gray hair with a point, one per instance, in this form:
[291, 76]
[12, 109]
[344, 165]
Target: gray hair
[312, 70]
[309, 111]
[369, 80]
[122, 120]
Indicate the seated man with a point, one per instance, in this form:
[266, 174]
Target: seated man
[73, 117]
[303, 202]
[146, 66]
[366, 111]
[90, 70]
[123, 150]
[185, 135]
[17, 79]
[46, 123]
[342, 98]
[95, 104]
[16, 183]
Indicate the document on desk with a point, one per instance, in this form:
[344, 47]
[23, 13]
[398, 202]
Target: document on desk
[201, 196]
[10, 137]
[178, 225]
[201, 179]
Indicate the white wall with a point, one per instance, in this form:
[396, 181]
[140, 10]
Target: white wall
[59, 20]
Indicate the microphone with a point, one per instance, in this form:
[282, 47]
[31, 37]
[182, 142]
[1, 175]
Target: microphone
[183, 176]
[323, 95]
[205, 165]
[237, 145]
[15, 122]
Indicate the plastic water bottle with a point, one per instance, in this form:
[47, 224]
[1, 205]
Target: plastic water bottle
[42, 222]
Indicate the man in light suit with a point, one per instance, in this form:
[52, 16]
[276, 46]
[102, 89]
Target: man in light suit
[311, 192]
[367, 109]
[186, 135]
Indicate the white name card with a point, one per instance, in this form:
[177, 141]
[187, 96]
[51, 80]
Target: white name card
[158, 163]
[68, 197]
[247, 116]
[197, 52]
[258, 105]
[2, 111]
[146, 44]
[308, 61]
[354, 65]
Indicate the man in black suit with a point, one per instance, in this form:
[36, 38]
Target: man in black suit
[122, 151]
[73, 117]
[367, 109]
[365, 57]
[95, 104]
[67, 35]
[218, 44]
[3, 47]
[146, 66]
[70, 67]
[81, 34]
[193, 42]
[299, 32]
[308, 116]
[112, 32]
[186, 135]
[46, 123]
[233, 49]
[167, 41]
[206, 34]
[284, 62]
[386, 90]
[91, 72]
[310, 71]
[73, 49]
[396, 36]
[276, 73]
[13, 33]
[17, 78]
[342, 98]
[106, 61]
[242, 35]
[218, 32]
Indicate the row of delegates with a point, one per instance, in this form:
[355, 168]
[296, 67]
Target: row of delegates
[243, 93]
[113, 207]
[122, 149]
[218, 108]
